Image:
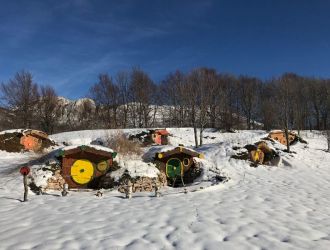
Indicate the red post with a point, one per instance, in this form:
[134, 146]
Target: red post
[25, 171]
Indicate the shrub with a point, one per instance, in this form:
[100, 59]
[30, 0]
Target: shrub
[122, 145]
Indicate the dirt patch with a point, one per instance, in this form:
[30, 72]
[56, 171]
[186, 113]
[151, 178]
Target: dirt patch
[10, 142]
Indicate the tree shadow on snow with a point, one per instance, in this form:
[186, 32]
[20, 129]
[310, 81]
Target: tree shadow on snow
[10, 198]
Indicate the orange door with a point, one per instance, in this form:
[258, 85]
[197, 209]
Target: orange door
[158, 139]
[30, 143]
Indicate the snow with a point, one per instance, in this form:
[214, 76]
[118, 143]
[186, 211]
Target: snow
[284, 207]
[135, 168]
[87, 136]
[96, 147]
[10, 131]
[40, 176]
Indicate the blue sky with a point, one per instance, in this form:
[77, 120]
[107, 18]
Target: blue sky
[68, 43]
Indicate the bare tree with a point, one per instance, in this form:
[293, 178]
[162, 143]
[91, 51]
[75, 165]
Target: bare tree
[190, 97]
[21, 96]
[215, 100]
[48, 109]
[229, 105]
[317, 96]
[106, 97]
[143, 90]
[284, 102]
[123, 83]
[268, 109]
[204, 82]
[249, 98]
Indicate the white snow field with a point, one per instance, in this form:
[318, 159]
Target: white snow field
[284, 207]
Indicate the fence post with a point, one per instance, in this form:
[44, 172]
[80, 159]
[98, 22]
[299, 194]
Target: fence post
[65, 189]
[157, 194]
[26, 189]
[25, 171]
[129, 190]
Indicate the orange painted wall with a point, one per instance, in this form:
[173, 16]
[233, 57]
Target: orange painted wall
[280, 137]
[31, 143]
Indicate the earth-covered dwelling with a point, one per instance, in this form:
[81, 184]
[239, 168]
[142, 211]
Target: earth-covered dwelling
[152, 136]
[83, 166]
[261, 153]
[24, 139]
[279, 135]
[179, 165]
[159, 136]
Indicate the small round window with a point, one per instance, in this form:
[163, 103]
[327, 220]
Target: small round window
[186, 161]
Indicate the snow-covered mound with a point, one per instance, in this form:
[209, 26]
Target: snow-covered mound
[135, 168]
[284, 207]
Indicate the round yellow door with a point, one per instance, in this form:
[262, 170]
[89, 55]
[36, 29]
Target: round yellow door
[82, 171]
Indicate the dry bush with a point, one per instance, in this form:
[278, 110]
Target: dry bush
[122, 145]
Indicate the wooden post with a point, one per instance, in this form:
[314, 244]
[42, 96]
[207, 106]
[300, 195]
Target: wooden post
[157, 194]
[65, 189]
[25, 171]
[129, 190]
[26, 188]
[328, 139]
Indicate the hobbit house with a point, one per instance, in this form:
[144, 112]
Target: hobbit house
[83, 166]
[179, 165]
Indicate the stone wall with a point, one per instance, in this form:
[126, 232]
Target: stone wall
[140, 184]
[55, 182]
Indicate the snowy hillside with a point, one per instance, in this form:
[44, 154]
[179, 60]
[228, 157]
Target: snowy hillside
[284, 207]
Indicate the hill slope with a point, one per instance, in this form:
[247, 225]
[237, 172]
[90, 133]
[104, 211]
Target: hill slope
[281, 207]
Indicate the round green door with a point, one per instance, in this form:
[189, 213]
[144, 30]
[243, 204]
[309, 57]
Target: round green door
[173, 168]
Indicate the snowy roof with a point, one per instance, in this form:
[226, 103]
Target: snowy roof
[97, 147]
[10, 131]
[162, 131]
[25, 132]
[178, 150]
[280, 131]
[76, 148]
[181, 149]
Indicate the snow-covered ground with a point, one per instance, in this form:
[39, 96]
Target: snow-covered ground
[285, 207]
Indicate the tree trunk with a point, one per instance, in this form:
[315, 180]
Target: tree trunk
[201, 136]
[195, 135]
[213, 116]
[26, 189]
[115, 117]
[328, 139]
[193, 120]
[287, 139]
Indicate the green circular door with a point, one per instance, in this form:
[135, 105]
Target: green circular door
[173, 168]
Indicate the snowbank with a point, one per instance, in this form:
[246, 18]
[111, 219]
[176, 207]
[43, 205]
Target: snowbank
[135, 168]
